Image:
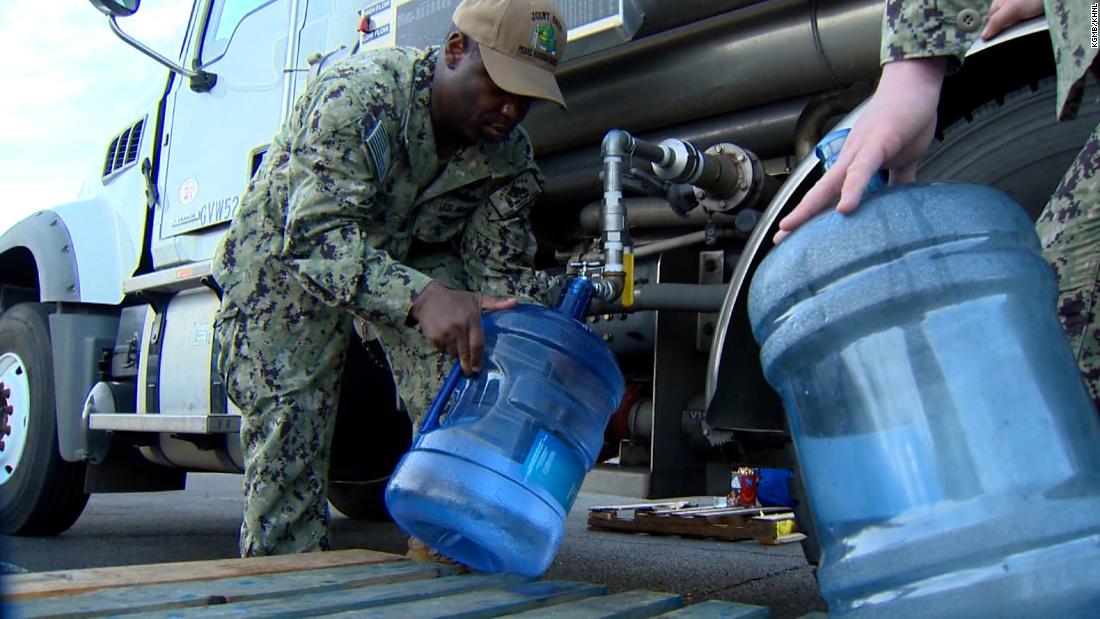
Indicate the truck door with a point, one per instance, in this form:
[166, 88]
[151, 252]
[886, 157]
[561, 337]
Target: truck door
[214, 140]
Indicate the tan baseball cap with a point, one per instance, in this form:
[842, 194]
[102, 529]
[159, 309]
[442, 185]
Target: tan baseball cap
[521, 43]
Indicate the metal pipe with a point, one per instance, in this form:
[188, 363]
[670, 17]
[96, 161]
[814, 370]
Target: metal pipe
[661, 15]
[679, 242]
[682, 162]
[640, 420]
[293, 39]
[617, 145]
[704, 298]
[652, 213]
[572, 175]
[700, 70]
[726, 171]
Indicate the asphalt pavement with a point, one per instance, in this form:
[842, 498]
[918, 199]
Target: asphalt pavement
[202, 521]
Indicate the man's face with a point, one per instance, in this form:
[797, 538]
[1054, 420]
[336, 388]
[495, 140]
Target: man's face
[480, 110]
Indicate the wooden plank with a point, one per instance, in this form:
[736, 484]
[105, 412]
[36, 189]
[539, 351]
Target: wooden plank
[716, 609]
[68, 582]
[147, 598]
[728, 511]
[643, 506]
[294, 604]
[687, 527]
[767, 525]
[626, 605]
[488, 603]
[786, 514]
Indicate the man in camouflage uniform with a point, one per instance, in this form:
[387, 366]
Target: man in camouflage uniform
[920, 39]
[396, 194]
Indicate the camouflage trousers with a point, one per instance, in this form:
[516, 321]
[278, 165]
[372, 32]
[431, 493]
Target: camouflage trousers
[282, 359]
[1069, 229]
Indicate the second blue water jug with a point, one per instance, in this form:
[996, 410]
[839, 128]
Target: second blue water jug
[948, 446]
[501, 456]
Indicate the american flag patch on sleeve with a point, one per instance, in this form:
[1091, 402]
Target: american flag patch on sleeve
[378, 147]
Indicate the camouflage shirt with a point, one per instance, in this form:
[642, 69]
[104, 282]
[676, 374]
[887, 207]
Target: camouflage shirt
[924, 28]
[352, 182]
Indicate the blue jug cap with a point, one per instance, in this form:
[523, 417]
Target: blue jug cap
[828, 151]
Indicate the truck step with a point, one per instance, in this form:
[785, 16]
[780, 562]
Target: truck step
[355, 582]
[170, 280]
[178, 424]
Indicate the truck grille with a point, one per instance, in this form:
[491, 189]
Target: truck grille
[124, 149]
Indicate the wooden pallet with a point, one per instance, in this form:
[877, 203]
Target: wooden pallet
[358, 583]
[767, 525]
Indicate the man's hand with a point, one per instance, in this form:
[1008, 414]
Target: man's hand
[451, 320]
[894, 131]
[1004, 14]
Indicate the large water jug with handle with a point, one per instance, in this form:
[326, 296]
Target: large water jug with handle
[500, 456]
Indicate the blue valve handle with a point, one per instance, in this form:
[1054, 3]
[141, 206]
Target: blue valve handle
[431, 418]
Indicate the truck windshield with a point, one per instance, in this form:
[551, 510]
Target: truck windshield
[224, 18]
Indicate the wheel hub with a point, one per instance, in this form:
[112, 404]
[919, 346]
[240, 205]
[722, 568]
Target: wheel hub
[15, 399]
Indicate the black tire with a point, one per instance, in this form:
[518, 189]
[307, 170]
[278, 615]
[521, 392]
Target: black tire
[360, 500]
[371, 435]
[40, 493]
[1015, 144]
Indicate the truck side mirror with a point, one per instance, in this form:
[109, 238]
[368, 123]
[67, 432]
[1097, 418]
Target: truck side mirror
[118, 8]
[201, 81]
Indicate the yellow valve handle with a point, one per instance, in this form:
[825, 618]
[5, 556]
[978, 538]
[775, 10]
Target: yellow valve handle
[628, 281]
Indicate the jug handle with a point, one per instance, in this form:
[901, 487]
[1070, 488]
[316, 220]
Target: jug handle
[431, 418]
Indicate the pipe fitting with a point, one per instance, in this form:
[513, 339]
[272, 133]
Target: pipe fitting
[681, 162]
[608, 287]
[617, 143]
[617, 146]
[737, 179]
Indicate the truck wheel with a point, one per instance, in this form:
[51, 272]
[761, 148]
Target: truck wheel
[40, 493]
[360, 500]
[371, 435]
[1015, 144]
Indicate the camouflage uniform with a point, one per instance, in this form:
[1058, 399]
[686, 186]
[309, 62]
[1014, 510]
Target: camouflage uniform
[350, 216]
[1069, 226]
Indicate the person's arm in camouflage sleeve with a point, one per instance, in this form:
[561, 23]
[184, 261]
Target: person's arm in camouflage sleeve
[919, 40]
[498, 246]
[930, 28]
[331, 205]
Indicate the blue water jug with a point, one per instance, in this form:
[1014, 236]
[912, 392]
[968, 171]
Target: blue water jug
[949, 449]
[500, 456]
